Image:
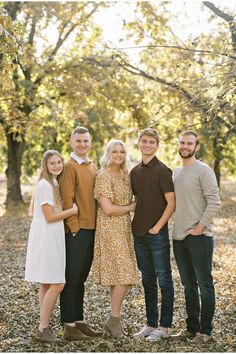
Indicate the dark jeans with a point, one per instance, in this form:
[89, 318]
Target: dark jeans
[153, 258]
[194, 260]
[79, 256]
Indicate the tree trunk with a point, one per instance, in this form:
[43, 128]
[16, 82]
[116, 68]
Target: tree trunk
[217, 152]
[217, 170]
[15, 144]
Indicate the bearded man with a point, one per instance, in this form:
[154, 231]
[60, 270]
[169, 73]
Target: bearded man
[197, 201]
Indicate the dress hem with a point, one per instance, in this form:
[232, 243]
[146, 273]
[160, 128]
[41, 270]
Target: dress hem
[45, 282]
[112, 284]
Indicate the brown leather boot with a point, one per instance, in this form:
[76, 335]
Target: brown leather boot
[73, 333]
[113, 326]
[88, 331]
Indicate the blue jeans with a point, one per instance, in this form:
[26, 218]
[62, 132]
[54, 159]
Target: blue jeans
[153, 258]
[79, 256]
[194, 260]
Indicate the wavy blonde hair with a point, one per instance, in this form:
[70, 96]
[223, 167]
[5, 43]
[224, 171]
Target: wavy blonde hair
[44, 173]
[106, 161]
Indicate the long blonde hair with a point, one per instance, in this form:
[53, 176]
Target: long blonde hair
[46, 175]
[105, 160]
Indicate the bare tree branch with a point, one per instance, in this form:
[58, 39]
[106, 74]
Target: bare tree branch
[218, 12]
[183, 104]
[32, 31]
[173, 86]
[62, 39]
[228, 18]
[13, 8]
[27, 71]
[195, 102]
[175, 36]
[204, 52]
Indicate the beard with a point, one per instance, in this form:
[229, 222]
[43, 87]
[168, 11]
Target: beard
[188, 155]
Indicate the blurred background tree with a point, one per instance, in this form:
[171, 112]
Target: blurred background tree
[190, 84]
[57, 73]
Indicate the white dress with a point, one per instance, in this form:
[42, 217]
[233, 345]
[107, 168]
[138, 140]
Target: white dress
[45, 259]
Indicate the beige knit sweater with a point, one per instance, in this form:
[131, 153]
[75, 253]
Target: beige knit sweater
[197, 198]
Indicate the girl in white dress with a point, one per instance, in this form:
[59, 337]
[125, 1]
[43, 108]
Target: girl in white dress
[45, 260]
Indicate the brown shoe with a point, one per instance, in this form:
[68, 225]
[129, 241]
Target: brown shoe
[202, 338]
[73, 333]
[183, 335]
[84, 328]
[47, 336]
[113, 326]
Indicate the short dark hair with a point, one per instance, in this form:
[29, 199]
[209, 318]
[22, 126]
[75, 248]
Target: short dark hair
[190, 132]
[149, 132]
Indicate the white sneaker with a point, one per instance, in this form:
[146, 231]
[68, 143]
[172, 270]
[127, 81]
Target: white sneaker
[144, 332]
[157, 335]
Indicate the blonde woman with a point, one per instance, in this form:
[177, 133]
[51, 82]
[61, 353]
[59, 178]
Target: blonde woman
[114, 259]
[45, 260]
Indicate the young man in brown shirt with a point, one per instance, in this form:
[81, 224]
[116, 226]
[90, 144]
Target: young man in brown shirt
[154, 191]
[77, 186]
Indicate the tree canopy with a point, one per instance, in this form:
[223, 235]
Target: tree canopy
[57, 73]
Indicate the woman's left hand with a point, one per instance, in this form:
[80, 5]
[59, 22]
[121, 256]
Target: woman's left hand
[132, 206]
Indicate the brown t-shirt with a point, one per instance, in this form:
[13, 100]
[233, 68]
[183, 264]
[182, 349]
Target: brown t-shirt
[149, 184]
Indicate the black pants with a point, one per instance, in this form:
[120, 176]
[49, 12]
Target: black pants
[79, 256]
[194, 260]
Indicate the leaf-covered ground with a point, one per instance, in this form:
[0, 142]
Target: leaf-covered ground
[19, 313]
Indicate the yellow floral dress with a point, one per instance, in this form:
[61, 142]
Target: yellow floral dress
[114, 258]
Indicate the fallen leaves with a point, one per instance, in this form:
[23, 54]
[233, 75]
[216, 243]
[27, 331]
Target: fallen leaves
[19, 314]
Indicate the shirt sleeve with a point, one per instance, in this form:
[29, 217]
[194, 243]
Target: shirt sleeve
[211, 194]
[166, 182]
[103, 186]
[45, 193]
[68, 190]
[132, 181]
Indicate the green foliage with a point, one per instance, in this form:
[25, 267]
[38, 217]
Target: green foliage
[57, 87]
[9, 46]
[192, 82]
[54, 82]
